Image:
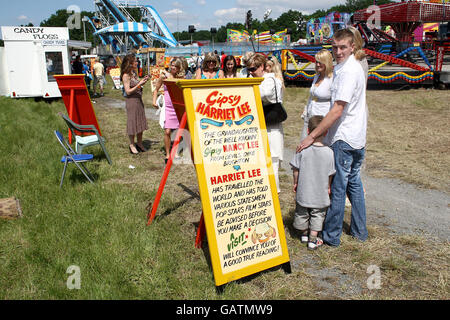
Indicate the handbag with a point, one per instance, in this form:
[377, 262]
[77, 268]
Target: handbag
[274, 112]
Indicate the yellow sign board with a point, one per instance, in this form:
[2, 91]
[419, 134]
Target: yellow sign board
[115, 75]
[237, 185]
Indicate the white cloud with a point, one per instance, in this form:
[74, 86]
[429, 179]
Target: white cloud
[22, 17]
[173, 12]
[201, 2]
[230, 15]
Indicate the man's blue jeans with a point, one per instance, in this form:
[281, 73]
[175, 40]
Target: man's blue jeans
[347, 180]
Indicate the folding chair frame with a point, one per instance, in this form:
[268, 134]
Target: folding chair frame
[85, 129]
[70, 154]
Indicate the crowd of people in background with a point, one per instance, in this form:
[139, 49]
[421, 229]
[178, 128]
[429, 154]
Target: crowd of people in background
[92, 72]
[212, 66]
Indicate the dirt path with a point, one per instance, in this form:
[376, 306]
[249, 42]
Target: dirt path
[402, 207]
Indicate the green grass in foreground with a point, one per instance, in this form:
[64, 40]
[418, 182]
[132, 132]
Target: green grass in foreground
[99, 227]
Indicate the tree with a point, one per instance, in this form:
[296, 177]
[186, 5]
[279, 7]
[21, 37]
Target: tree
[59, 19]
[292, 19]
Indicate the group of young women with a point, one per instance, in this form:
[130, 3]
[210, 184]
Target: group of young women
[254, 65]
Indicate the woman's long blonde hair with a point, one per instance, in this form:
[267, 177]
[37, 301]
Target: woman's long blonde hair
[275, 68]
[324, 56]
[358, 41]
[180, 65]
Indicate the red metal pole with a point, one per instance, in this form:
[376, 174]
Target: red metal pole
[200, 232]
[71, 107]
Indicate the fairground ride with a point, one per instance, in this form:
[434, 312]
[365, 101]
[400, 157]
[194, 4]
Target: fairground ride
[115, 25]
[393, 59]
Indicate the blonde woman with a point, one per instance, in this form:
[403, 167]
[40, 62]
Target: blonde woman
[136, 119]
[273, 66]
[358, 51]
[319, 102]
[210, 68]
[176, 71]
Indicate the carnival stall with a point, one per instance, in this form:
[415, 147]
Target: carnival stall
[29, 60]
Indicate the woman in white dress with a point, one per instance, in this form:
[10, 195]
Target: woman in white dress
[271, 92]
[320, 92]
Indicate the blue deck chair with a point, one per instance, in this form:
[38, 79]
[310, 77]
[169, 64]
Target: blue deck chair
[72, 157]
[85, 141]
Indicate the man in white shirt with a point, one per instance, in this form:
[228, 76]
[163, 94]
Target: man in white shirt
[346, 123]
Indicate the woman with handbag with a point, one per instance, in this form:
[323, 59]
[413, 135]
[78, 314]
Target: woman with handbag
[274, 113]
[319, 102]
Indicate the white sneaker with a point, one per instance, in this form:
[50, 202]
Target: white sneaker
[316, 244]
[304, 239]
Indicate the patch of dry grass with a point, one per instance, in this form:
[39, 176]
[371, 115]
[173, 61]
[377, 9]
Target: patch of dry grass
[407, 136]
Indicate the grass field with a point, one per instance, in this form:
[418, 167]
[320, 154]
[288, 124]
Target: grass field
[101, 227]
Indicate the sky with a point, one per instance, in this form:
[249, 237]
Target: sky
[177, 14]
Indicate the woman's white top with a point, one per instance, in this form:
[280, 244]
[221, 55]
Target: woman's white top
[320, 98]
[275, 131]
[319, 102]
[267, 89]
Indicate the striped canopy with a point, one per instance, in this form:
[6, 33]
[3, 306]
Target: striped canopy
[126, 27]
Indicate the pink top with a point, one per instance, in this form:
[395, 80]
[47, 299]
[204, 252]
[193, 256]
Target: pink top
[171, 121]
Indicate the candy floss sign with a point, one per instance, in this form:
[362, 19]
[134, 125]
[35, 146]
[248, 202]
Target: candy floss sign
[237, 179]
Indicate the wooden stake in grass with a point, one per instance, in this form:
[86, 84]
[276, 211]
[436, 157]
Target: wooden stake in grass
[10, 208]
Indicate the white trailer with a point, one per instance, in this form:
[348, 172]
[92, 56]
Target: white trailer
[30, 58]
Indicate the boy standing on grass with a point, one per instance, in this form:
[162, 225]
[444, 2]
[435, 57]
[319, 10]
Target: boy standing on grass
[313, 169]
